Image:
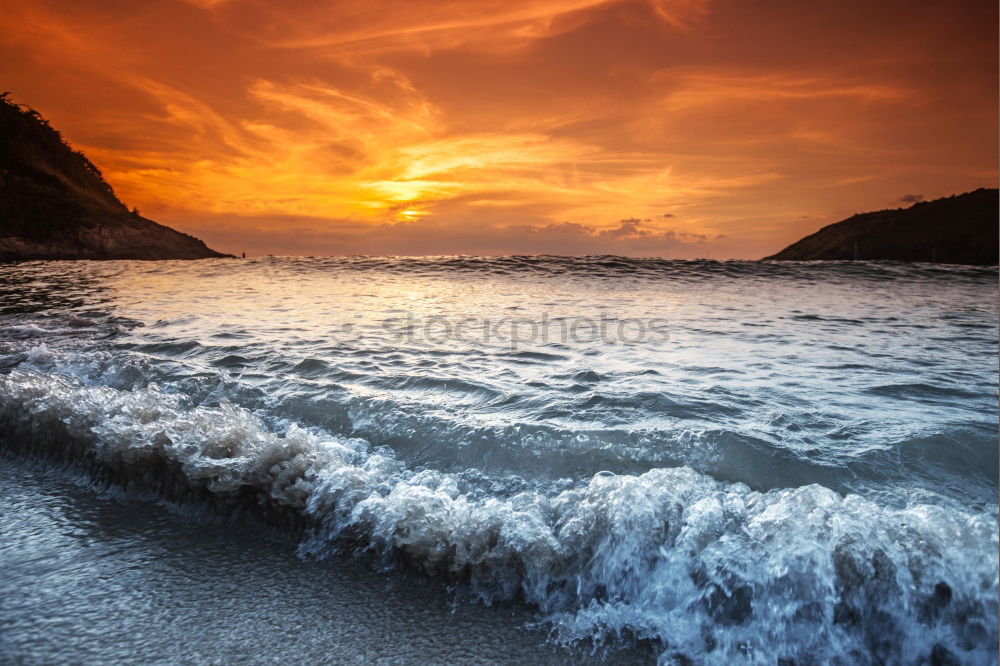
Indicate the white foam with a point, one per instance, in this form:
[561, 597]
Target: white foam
[713, 570]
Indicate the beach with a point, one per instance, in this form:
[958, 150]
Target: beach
[498, 460]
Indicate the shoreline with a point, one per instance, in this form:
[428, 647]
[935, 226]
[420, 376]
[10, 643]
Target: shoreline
[208, 590]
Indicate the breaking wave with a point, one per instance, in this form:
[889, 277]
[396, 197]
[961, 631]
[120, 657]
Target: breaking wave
[713, 571]
[804, 472]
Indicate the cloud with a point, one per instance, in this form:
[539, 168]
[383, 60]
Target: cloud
[911, 198]
[485, 127]
[290, 235]
[358, 29]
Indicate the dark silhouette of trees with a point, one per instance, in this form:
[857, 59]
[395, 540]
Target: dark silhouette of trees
[55, 202]
[960, 229]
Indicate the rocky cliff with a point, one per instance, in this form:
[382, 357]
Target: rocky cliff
[54, 203]
[961, 229]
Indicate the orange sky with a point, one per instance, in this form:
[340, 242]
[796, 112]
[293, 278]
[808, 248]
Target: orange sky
[676, 128]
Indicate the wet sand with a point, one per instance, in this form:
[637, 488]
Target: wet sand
[89, 578]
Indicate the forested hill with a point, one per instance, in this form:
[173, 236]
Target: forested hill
[960, 229]
[54, 203]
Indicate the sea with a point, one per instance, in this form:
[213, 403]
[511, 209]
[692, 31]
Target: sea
[531, 459]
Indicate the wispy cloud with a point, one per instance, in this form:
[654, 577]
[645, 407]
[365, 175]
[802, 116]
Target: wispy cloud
[661, 126]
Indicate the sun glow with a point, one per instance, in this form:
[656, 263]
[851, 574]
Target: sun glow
[565, 126]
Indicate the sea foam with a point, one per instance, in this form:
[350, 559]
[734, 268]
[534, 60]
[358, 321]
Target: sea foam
[713, 571]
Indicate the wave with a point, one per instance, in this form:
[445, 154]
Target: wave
[597, 266]
[452, 424]
[714, 571]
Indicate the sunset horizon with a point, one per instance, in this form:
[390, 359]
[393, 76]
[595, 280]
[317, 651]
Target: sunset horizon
[541, 332]
[680, 129]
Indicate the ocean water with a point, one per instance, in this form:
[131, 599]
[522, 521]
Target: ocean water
[695, 461]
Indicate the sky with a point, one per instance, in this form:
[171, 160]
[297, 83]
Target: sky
[673, 128]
